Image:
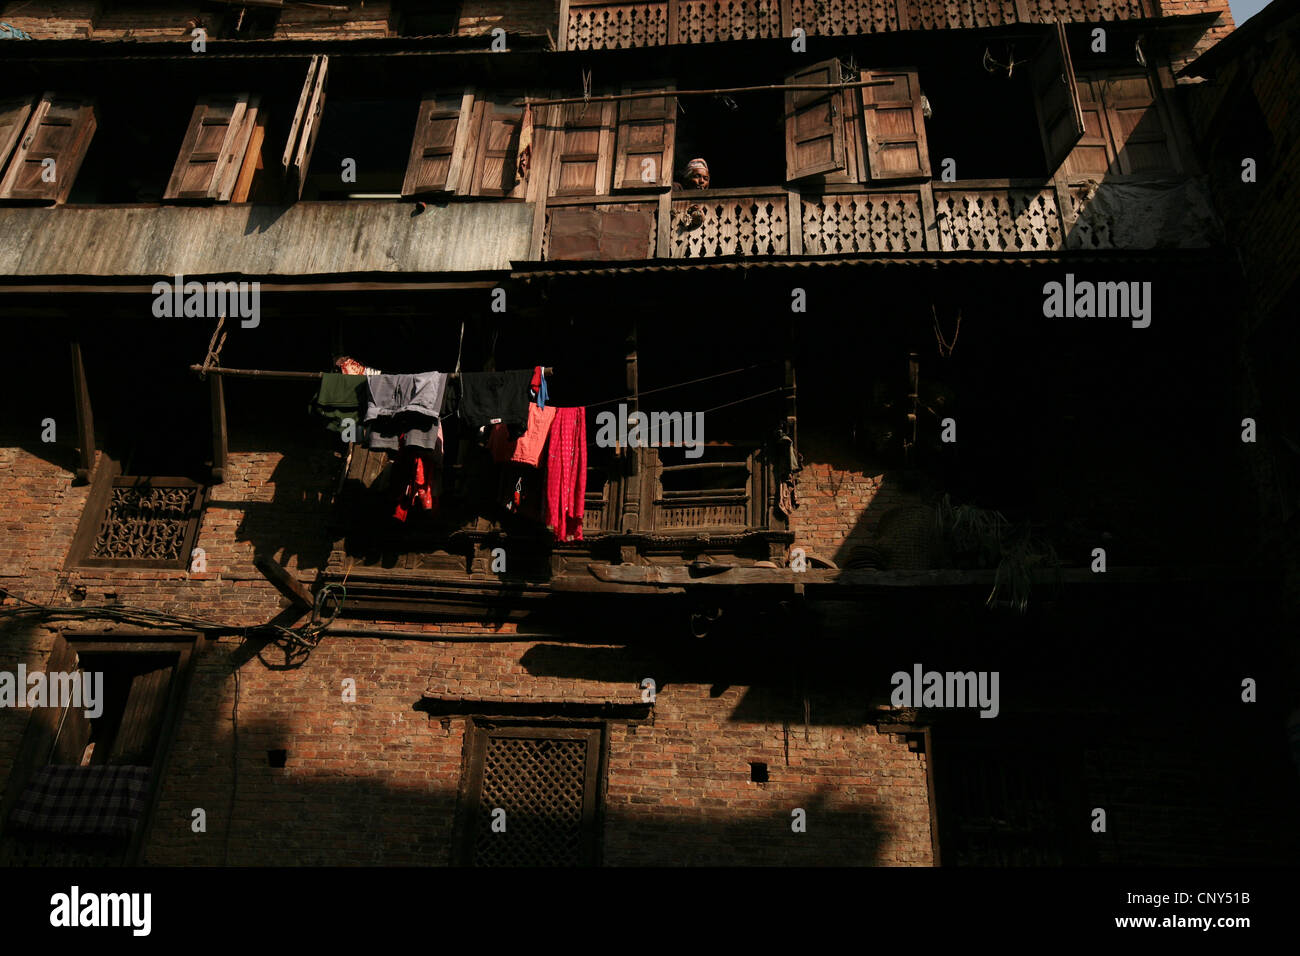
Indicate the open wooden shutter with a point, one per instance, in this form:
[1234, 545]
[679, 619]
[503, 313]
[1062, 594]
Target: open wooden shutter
[497, 124]
[1092, 155]
[814, 123]
[1141, 142]
[72, 726]
[583, 154]
[438, 149]
[142, 719]
[895, 126]
[1056, 98]
[646, 132]
[212, 154]
[59, 128]
[14, 113]
[305, 126]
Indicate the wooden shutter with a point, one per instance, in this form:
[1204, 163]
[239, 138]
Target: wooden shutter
[895, 127]
[59, 128]
[646, 132]
[1140, 141]
[212, 154]
[438, 149]
[597, 234]
[305, 126]
[497, 126]
[1092, 155]
[72, 726]
[252, 164]
[814, 123]
[1056, 98]
[583, 155]
[14, 113]
[142, 719]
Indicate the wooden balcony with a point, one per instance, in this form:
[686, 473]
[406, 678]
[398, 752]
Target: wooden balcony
[974, 216]
[602, 25]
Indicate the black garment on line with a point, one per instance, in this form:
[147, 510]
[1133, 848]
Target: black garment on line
[490, 397]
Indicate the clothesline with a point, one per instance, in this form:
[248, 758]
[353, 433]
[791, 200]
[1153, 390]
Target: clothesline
[260, 373]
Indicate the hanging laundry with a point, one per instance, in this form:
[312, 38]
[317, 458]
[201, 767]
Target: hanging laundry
[566, 473]
[538, 386]
[527, 449]
[490, 398]
[405, 407]
[525, 159]
[415, 479]
[339, 397]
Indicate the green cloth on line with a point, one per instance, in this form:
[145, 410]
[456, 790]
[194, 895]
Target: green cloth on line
[340, 397]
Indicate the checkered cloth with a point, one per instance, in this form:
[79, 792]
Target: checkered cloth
[84, 801]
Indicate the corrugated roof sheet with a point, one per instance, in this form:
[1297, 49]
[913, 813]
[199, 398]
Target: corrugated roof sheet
[526, 270]
[307, 238]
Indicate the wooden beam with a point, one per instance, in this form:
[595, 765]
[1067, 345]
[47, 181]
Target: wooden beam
[285, 583]
[85, 418]
[219, 445]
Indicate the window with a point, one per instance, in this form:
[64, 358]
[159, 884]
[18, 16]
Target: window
[43, 141]
[419, 18]
[547, 779]
[466, 144]
[138, 522]
[82, 786]
[1124, 130]
[222, 150]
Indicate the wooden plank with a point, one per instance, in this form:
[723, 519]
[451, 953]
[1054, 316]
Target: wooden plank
[252, 161]
[310, 128]
[285, 583]
[664, 222]
[137, 734]
[299, 116]
[217, 394]
[85, 418]
[928, 218]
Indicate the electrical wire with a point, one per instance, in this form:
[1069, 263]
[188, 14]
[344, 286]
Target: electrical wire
[664, 388]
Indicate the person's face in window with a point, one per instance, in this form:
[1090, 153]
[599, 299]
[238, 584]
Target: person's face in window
[697, 179]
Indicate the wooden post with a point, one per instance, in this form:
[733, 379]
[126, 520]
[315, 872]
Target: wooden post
[562, 41]
[1064, 206]
[931, 224]
[632, 472]
[787, 23]
[794, 222]
[85, 419]
[217, 392]
[664, 236]
[673, 22]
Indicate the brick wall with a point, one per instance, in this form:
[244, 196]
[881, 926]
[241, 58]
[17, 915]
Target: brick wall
[376, 780]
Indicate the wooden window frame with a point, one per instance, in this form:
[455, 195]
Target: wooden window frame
[42, 730]
[760, 486]
[478, 730]
[459, 175]
[71, 156]
[109, 476]
[1118, 169]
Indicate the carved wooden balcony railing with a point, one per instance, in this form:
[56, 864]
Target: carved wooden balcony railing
[974, 216]
[731, 222]
[604, 25]
[1010, 219]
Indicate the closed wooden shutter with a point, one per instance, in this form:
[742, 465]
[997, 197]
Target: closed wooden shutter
[497, 147]
[895, 127]
[814, 123]
[1092, 154]
[305, 126]
[599, 234]
[646, 134]
[582, 157]
[146, 703]
[438, 149]
[212, 154]
[60, 129]
[1056, 98]
[1139, 138]
[14, 113]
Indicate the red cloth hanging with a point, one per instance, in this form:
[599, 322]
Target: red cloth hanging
[566, 473]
